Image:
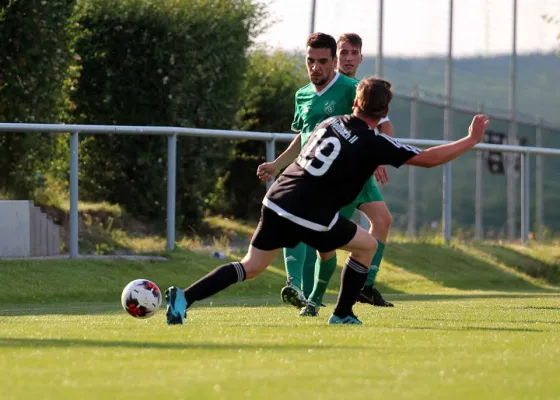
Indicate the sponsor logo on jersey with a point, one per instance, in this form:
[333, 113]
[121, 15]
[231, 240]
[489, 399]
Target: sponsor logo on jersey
[342, 131]
[329, 106]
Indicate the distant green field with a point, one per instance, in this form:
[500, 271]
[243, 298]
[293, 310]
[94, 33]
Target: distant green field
[469, 322]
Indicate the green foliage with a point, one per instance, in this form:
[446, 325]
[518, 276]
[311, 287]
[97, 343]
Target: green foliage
[37, 72]
[173, 63]
[267, 98]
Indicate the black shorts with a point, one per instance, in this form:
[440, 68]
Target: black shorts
[276, 232]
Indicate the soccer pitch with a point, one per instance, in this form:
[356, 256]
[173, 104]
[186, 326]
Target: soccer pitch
[490, 333]
[462, 347]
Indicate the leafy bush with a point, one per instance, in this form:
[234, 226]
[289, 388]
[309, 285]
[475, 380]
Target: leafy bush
[267, 105]
[37, 71]
[173, 63]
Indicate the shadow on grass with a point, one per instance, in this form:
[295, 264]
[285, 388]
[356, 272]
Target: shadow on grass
[68, 343]
[454, 268]
[499, 321]
[233, 300]
[540, 269]
[10, 342]
[468, 296]
[465, 328]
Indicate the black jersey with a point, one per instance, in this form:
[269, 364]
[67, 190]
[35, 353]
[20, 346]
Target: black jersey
[338, 159]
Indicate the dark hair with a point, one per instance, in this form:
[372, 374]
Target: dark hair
[353, 38]
[373, 96]
[320, 40]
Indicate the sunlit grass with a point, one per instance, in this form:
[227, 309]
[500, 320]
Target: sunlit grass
[460, 347]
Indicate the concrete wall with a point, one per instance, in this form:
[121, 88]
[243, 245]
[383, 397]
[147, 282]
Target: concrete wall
[25, 231]
[15, 239]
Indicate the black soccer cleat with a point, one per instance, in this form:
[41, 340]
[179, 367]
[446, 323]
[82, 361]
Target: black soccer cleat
[371, 295]
[291, 294]
[310, 310]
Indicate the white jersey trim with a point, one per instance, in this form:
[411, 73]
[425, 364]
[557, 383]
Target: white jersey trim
[336, 75]
[298, 220]
[398, 144]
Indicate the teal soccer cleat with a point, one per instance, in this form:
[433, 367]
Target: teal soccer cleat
[348, 320]
[176, 306]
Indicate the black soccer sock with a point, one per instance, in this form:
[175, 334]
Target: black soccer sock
[216, 281]
[353, 277]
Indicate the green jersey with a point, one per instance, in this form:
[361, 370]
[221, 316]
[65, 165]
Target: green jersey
[314, 107]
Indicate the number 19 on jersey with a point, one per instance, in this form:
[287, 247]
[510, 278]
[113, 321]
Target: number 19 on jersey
[320, 151]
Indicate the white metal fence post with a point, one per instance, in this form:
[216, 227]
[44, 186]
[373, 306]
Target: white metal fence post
[171, 189]
[73, 239]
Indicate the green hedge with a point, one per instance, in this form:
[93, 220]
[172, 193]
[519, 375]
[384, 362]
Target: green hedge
[37, 71]
[173, 63]
[267, 105]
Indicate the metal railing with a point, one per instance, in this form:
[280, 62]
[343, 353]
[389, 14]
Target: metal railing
[269, 138]
[448, 110]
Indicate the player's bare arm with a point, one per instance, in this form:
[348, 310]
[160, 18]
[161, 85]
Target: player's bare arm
[267, 171]
[438, 155]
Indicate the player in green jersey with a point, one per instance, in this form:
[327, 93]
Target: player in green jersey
[329, 93]
[370, 201]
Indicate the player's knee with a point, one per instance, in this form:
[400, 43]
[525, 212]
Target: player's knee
[327, 256]
[382, 218]
[369, 249]
[252, 269]
[386, 219]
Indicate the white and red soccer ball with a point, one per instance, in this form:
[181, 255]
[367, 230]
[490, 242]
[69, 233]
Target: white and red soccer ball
[141, 298]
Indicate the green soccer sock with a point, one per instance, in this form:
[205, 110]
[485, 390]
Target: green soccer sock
[293, 260]
[375, 263]
[324, 271]
[309, 271]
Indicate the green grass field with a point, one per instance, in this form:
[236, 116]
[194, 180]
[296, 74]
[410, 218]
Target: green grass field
[471, 321]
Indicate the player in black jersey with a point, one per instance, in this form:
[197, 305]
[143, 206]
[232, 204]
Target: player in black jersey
[301, 206]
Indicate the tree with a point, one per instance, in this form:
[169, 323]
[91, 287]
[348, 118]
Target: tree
[164, 63]
[552, 20]
[267, 105]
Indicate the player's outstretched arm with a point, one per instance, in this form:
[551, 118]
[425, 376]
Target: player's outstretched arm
[267, 171]
[442, 154]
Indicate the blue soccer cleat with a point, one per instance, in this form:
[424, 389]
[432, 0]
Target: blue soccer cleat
[176, 306]
[348, 320]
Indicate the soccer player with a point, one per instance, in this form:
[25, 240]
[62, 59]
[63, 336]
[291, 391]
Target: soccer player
[301, 206]
[329, 93]
[370, 201]
[307, 276]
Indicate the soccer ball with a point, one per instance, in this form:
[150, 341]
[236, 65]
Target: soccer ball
[141, 298]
